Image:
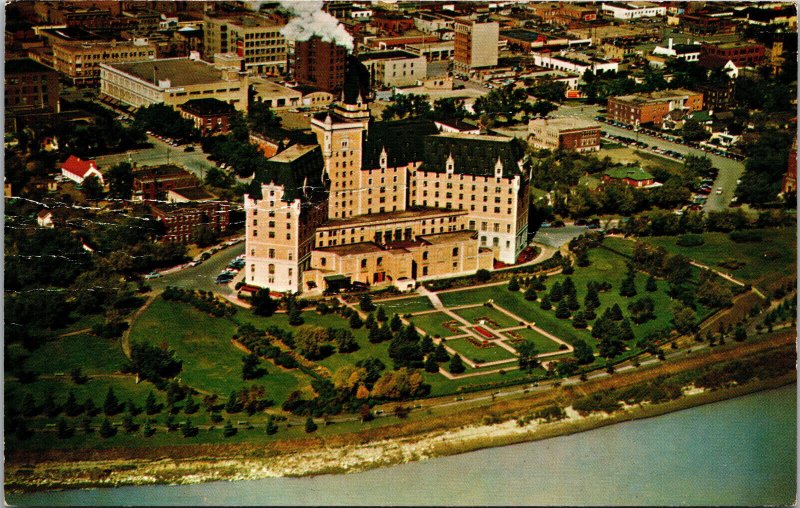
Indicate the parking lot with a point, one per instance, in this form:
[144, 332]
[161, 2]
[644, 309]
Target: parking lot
[161, 153]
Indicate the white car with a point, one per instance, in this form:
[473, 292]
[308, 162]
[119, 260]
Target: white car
[719, 191]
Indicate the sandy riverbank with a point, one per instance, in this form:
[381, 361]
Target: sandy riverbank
[344, 459]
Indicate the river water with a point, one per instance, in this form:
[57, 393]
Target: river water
[735, 452]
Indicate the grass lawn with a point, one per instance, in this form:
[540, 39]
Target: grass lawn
[543, 344]
[210, 362]
[92, 354]
[432, 324]
[440, 385]
[475, 314]
[470, 296]
[765, 262]
[405, 305]
[468, 350]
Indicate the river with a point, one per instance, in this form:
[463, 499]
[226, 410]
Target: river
[735, 452]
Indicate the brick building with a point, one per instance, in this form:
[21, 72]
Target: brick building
[652, 108]
[563, 13]
[30, 87]
[210, 116]
[718, 96]
[153, 182]
[182, 220]
[742, 54]
[320, 64]
[391, 23]
[80, 61]
[475, 44]
[706, 23]
[564, 134]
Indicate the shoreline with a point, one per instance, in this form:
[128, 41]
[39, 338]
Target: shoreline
[349, 458]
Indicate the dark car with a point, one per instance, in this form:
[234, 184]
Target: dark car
[580, 222]
[189, 148]
[557, 224]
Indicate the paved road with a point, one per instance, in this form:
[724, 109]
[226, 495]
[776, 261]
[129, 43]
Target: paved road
[556, 237]
[202, 276]
[161, 153]
[729, 170]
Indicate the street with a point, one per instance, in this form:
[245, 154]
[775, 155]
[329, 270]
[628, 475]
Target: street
[203, 275]
[729, 170]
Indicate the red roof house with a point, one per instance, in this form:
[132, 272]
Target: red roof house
[78, 170]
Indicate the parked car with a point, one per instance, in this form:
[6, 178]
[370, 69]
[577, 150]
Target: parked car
[189, 148]
[152, 275]
[558, 224]
[196, 262]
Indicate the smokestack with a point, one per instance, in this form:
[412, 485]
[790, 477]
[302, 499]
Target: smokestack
[309, 20]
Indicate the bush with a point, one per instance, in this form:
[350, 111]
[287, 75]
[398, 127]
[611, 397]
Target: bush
[745, 236]
[690, 240]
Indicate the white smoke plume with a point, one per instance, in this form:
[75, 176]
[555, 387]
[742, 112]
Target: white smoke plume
[309, 20]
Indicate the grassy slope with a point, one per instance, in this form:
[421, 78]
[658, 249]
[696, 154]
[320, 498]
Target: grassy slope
[475, 314]
[468, 350]
[432, 324]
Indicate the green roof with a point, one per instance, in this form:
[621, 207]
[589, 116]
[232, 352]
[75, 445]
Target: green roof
[473, 154]
[402, 139]
[337, 277]
[632, 173]
[700, 116]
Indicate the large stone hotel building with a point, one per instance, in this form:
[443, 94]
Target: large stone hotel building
[384, 202]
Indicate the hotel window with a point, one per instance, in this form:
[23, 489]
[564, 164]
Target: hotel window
[323, 261]
[272, 253]
[455, 251]
[271, 234]
[271, 269]
[363, 263]
[380, 262]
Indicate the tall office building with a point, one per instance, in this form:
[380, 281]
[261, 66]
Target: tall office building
[476, 44]
[320, 64]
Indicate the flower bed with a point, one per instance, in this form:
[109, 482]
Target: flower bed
[484, 332]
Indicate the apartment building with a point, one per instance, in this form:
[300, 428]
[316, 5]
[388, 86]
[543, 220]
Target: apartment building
[633, 10]
[183, 220]
[742, 54]
[255, 38]
[475, 44]
[638, 109]
[30, 87]
[564, 134]
[172, 81]
[210, 115]
[394, 68]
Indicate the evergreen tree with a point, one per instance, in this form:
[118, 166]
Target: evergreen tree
[191, 406]
[128, 424]
[556, 292]
[440, 354]
[579, 321]
[628, 287]
[370, 322]
[562, 311]
[545, 303]
[624, 330]
[513, 284]
[310, 425]
[385, 333]
[589, 314]
[63, 430]
[572, 302]
[381, 314]
[739, 334]
[272, 427]
[71, 406]
[355, 321]
[89, 408]
[86, 425]
[592, 300]
[233, 405]
[650, 285]
[539, 283]
[456, 365]
[527, 355]
[106, 429]
[374, 335]
[151, 407]
[29, 408]
[229, 430]
[583, 258]
[530, 294]
[616, 312]
[427, 345]
[396, 324]
[365, 303]
[568, 287]
[111, 405]
[295, 316]
[431, 365]
[583, 353]
[251, 367]
[49, 406]
[188, 429]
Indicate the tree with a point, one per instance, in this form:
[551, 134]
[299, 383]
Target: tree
[556, 292]
[251, 367]
[365, 303]
[449, 109]
[262, 119]
[440, 354]
[71, 406]
[128, 424]
[583, 353]
[642, 310]
[505, 102]
[572, 302]
[624, 331]
[545, 303]
[426, 345]
[120, 181]
[151, 407]
[684, 318]
[562, 311]
[407, 105]
[650, 286]
[431, 365]
[148, 430]
[153, 363]
[295, 316]
[483, 275]
[309, 339]
[456, 365]
[310, 425]
[381, 315]
[204, 235]
[345, 341]
[739, 334]
[263, 304]
[92, 187]
[628, 286]
[188, 429]
[355, 321]
[579, 320]
[713, 294]
[615, 312]
[530, 294]
[234, 404]
[111, 405]
[229, 430]
[527, 355]
[106, 429]
[271, 427]
[63, 430]
[395, 324]
[513, 284]
[693, 131]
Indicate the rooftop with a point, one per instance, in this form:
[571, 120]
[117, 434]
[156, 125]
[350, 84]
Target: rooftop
[391, 54]
[418, 214]
[194, 193]
[207, 106]
[565, 123]
[473, 154]
[523, 35]
[263, 86]
[163, 171]
[179, 71]
[351, 249]
[663, 95]
[25, 65]
[449, 237]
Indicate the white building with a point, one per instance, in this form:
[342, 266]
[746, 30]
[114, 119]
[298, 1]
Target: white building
[394, 67]
[573, 62]
[687, 52]
[625, 10]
